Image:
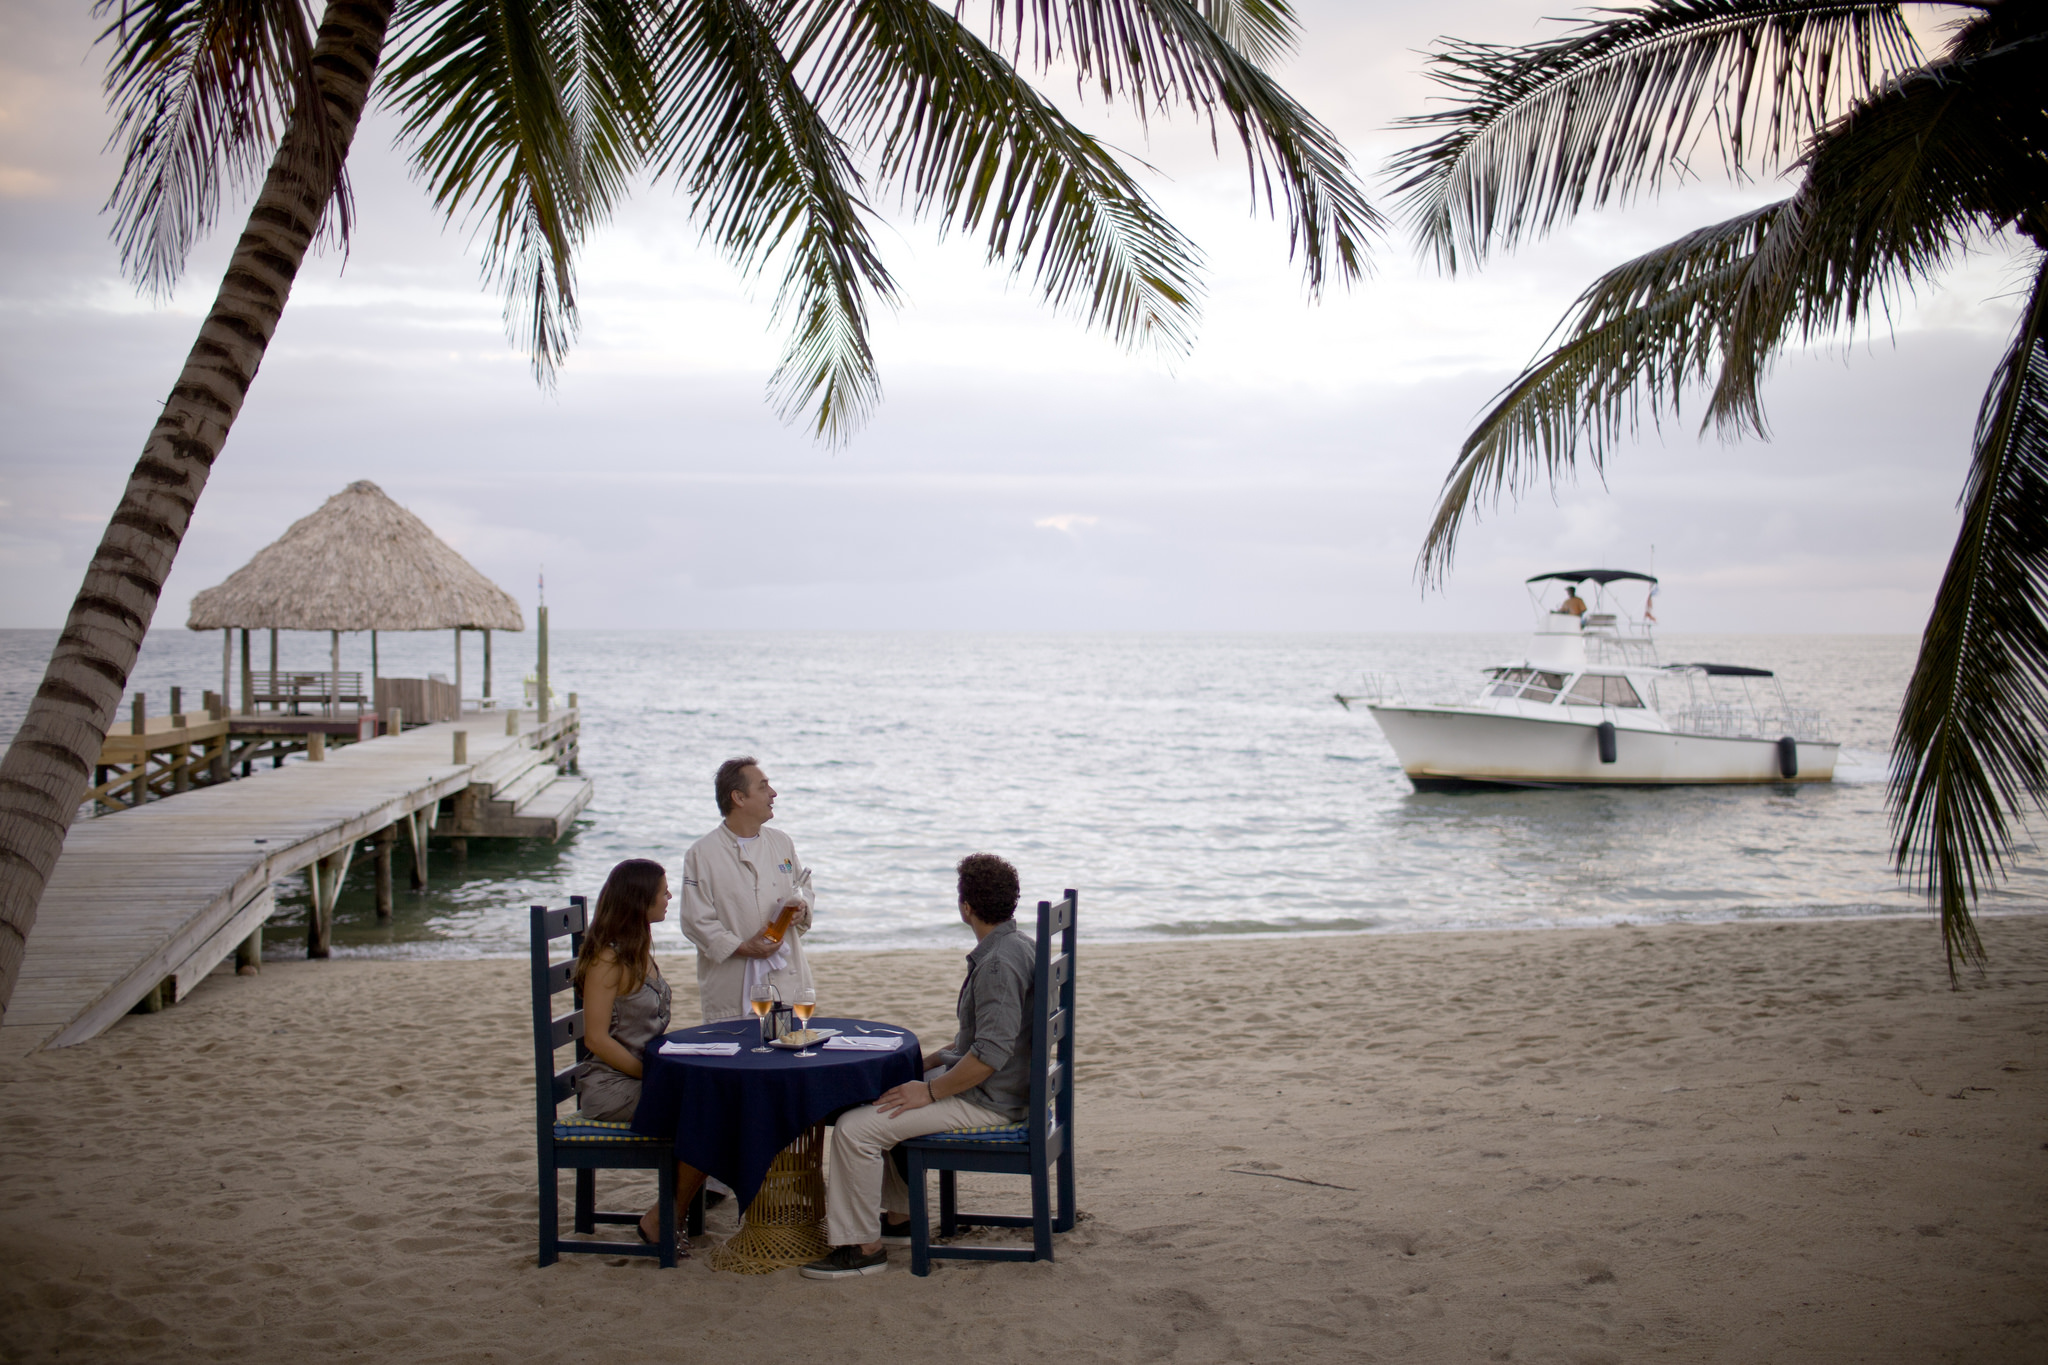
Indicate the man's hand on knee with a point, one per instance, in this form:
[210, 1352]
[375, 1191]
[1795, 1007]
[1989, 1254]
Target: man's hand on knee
[903, 1098]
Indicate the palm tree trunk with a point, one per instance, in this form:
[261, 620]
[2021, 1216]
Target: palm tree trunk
[48, 768]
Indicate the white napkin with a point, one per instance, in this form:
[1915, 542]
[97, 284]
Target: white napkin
[699, 1049]
[848, 1042]
[758, 969]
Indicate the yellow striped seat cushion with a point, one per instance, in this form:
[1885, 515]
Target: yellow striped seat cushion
[578, 1128]
[995, 1132]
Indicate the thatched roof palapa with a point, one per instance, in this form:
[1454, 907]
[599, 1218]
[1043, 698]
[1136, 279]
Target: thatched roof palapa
[361, 562]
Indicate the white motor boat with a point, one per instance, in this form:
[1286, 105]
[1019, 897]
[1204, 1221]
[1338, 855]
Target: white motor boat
[1590, 703]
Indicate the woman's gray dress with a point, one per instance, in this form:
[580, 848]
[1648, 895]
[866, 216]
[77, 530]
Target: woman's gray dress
[610, 1095]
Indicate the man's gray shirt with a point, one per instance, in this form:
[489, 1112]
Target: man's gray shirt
[995, 1019]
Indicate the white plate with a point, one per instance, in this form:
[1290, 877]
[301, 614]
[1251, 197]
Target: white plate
[818, 1035]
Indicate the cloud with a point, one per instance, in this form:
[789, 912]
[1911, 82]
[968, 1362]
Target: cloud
[1065, 522]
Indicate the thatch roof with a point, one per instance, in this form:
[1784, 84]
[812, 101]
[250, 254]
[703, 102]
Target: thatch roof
[361, 562]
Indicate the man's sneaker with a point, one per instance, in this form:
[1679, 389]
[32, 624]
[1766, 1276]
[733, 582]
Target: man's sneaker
[895, 1234]
[845, 1262]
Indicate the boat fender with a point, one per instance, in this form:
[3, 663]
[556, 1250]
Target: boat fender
[1788, 758]
[1608, 743]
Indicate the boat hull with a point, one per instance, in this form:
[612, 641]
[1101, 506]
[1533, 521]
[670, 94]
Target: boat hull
[1447, 747]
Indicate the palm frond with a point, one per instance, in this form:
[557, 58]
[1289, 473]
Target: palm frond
[1968, 753]
[1894, 193]
[1637, 338]
[967, 139]
[1158, 55]
[1264, 30]
[766, 174]
[1535, 134]
[531, 114]
[200, 90]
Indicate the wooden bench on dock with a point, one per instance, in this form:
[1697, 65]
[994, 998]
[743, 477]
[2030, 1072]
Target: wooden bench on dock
[297, 687]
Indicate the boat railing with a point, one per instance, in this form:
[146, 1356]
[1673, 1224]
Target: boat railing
[1624, 650]
[1375, 689]
[1733, 720]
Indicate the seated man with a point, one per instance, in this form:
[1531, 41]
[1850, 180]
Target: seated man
[983, 1080]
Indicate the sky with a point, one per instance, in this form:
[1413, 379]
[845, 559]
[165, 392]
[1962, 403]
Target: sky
[1021, 472]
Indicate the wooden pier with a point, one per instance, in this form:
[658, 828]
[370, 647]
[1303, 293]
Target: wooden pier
[146, 901]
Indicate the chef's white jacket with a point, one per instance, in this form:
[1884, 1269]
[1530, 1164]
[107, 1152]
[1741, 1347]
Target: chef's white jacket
[729, 895]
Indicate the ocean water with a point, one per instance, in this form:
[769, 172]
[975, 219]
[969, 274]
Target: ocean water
[1186, 785]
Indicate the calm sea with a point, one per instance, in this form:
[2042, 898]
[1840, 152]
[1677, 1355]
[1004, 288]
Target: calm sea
[1187, 785]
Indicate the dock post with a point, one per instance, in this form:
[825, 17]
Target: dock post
[248, 682]
[487, 664]
[394, 720]
[249, 954]
[461, 746]
[416, 826]
[541, 664]
[316, 747]
[326, 875]
[181, 768]
[512, 724]
[386, 837]
[227, 663]
[138, 718]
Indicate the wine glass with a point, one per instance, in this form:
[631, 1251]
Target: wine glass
[763, 1001]
[803, 1005]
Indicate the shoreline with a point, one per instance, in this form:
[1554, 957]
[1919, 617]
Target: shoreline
[357, 953]
[1734, 1141]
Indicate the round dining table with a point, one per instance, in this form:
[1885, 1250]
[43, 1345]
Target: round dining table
[755, 1120]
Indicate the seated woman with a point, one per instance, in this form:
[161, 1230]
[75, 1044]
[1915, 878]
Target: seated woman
[625, 1006]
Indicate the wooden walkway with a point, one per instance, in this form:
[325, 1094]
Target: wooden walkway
[170, 888]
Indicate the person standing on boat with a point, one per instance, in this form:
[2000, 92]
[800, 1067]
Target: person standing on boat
[736, 881]
[1574, 605]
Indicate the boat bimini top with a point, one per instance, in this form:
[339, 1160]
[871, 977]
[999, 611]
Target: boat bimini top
[1601, 576]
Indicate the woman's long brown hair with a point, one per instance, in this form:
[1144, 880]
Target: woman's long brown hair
[620, 923]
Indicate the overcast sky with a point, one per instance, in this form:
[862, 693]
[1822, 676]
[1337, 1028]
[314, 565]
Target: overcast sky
[1021, 473]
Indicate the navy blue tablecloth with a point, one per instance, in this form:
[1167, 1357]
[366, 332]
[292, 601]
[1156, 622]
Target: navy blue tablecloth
[731, 1116]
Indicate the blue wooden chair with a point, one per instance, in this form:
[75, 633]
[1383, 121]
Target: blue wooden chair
[1041, 1147]
[576, 1144]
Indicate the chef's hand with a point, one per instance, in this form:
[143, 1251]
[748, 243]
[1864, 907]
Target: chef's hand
[903, 1098]
[760, 945]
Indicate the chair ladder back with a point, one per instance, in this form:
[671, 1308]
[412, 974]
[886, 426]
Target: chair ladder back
[1052, 1037]
[1063, 919]
[551, 978]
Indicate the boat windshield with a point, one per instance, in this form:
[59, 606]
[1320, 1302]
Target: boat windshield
[1602, 689]
[1530, 684]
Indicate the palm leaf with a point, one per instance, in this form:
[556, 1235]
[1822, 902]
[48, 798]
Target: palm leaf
[200, 90]
[1535, 134]
[966, 138]
[766, 174]
[1159, 55]
[1968, 751]
[1634, 341]
[531, 114]
[1893, 193]
[1263, 30]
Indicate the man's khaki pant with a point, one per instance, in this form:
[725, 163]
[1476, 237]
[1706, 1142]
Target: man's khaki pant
[863, 1181]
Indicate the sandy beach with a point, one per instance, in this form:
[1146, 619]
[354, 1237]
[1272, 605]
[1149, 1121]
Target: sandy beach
[1740, 1142]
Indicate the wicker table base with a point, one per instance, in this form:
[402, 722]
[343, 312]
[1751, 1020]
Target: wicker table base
[785, 1225]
